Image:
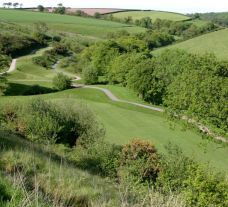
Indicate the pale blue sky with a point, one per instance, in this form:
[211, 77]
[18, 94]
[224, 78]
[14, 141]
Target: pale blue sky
[184, 6]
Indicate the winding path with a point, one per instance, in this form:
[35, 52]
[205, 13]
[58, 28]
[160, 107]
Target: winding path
[11, 68]
[112, 97]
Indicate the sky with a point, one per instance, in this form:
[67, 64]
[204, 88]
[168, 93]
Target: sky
[182, 6]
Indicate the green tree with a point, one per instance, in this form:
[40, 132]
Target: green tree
[97, 15]
[61, 82]
[3, 84]
[40, 8]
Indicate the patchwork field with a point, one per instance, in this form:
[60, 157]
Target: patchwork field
[71, 24]
[152, 14]
[215, 42]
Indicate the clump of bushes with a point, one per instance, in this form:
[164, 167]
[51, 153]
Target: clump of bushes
[140, 161]
[43, 121]
[139, 166]
[90, 75]
[61, 82]
[50, 57]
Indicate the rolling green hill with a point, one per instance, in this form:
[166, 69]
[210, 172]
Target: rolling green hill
[152, 14]
[118, 118]
[71, 24]
[215, 42]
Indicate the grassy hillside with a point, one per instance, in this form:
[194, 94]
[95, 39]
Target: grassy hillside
[118, 118]
[64, 23]
[215, 42]
[152, 14]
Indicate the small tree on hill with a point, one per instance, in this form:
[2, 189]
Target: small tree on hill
[97, 15]
[61, 82]
[3, 84]
[60, 9]
[15, 5]
[40, 8]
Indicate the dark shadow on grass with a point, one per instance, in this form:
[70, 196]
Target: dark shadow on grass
[17, 89]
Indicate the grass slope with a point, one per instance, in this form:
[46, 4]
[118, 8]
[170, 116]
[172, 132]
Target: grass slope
[215, 42]
[122, 121]
[65, 23]
[152, 14]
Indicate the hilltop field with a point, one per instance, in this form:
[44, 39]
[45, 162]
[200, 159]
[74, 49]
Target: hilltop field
[215, 42]
[152, 14]
[64, 23]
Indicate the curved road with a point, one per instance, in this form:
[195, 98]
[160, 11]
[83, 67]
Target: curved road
[11, 68]
[112, 97]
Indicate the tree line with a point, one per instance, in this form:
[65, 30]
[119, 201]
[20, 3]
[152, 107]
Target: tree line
[186, 84]
[14, 5]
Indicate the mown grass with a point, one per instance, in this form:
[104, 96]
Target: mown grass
[124, 122]
[65, 23]
[152, 14]
[215, 42]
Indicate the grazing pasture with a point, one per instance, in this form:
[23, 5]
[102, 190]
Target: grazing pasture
[66, 23]
[152, 14]
[215, 42]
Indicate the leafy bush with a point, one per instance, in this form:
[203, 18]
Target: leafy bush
[61, 82]
[101, 158]
[140, 161]
[198, 184]
[90, 75]
[47, 122]
[46, 61]
[4, 62]
[3, 84]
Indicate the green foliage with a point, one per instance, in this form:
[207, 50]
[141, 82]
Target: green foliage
[60, 10]
[3, 84]
[101, 158]
[40, 8]
[13, 45]
[144, 22]
[61, 82]
[201, 93]
[47, 122]
[198, 184]
[4, 62]
[139, 161]
[90, 75]
[46, 61]
[97, 15]
[205, 189]
[220, 18]
[39, 33]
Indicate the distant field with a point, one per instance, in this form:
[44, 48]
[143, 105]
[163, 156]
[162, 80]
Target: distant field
[152, 14]
[66, 23]
[92, 11]
[215, 42]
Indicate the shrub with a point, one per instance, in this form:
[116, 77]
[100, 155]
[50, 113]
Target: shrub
[61, 82]
[47, 122]
[101, 158]
[45, 61]
[140, 161]
[3, 84]
[198, 185]
[90, 75]
[174, 170]
[205, 189]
